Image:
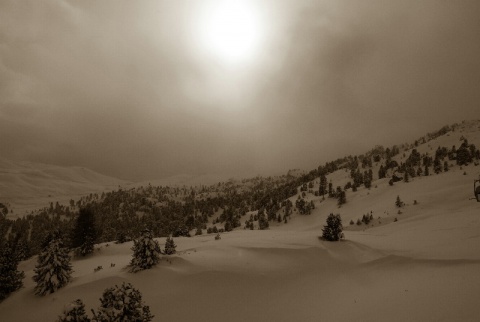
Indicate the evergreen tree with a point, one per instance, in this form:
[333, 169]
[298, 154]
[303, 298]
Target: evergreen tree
[342, 198]
[262, 221]
[333, 230]
[330, 189]
[170, 247]
[398, 202]
[146, 252]
[419, 171]
[382, 173]
[437, 166]
[53, 269]
[406, 177]
[84, 233]
[10, 277]
[445, 166]
[74, 312]
[122, 304]
[323, 186]
[427, 172]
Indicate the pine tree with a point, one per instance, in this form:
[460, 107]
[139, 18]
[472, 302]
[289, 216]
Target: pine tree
[10, 277]
[122, 304]
[146, 252]
[437, 166]
[170, 247]
[74, 312]
[262, 221]
[84, 233]
[382, 173]
[398, 202]
[427, 172]
[323, 186]
[333, 230]
[342, 198]
[53, 268]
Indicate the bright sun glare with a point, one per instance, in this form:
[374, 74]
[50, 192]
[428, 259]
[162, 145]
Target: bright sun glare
[230, 30]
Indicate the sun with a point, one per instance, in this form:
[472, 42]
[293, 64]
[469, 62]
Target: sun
[230, 30]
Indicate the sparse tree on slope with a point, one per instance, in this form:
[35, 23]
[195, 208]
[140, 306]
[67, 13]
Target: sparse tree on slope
[10, 277]
[170, 247]
[398, 202]
[74, 312]
[122, 304]
[53, 269]
[146, 252]
[333, 230]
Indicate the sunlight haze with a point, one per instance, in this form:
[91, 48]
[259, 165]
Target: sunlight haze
[141, 90]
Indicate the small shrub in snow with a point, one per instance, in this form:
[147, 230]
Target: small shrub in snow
[146, 252]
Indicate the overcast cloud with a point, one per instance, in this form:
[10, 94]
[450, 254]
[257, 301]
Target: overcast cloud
[121, 87]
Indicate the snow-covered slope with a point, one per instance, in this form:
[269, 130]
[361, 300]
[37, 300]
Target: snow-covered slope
[27, 186]
[422, 267]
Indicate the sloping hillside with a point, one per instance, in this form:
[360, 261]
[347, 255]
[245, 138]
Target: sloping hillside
[421, 268]
[417, 262]
[27, 186]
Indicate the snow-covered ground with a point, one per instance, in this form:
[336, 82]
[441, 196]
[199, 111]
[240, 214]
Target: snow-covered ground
[423, 267]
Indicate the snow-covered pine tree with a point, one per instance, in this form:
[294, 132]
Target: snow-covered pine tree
[333, 230]
[122, 304]
[10, 277]
[170, 247]
[53, 268]
[146, 252]
[74, 312]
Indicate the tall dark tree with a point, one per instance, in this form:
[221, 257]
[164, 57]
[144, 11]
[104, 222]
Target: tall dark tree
[427, 171]
[323, 186]
[10, 277]
[381, 172]
[84, 234]
[333, 230]
[53, 269]
[342, 198]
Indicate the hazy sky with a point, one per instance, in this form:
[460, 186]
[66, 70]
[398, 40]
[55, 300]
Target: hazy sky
[138, 90]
